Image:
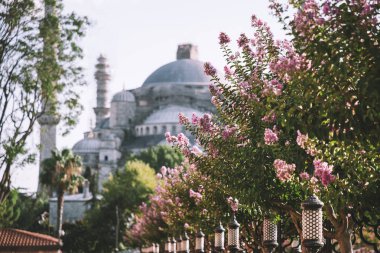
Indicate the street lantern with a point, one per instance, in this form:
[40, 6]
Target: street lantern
[157, 248]
[233, 235]
[219, 237]
[173, 245]
[168, 246]
[179, 244]
[269, 235]
[200, 242]
[185, 243]
[312, 224]
[296, 246]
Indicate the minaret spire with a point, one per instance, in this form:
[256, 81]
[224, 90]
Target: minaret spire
[50, 118]
[102, 78]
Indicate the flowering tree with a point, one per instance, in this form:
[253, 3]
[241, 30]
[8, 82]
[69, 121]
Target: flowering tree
[296, 117]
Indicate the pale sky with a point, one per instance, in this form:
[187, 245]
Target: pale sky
[138, 36]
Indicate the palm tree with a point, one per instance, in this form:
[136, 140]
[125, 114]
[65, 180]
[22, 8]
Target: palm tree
[61, 173]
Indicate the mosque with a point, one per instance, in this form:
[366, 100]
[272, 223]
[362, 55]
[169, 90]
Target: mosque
[134, 120]
[139, 118]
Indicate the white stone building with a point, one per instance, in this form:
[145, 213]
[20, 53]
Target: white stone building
[138, 118]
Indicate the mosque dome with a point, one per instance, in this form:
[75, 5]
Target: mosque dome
[123, 96]
[170, 114]
[87, 145]
[187, 69]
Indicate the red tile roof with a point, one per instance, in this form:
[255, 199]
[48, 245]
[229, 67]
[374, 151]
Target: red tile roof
[21, 239]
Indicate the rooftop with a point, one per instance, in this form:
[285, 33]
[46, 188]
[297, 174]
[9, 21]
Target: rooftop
[16, 239]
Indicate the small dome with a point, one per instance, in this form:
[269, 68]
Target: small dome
[170, 114]
[87, 145]
[186, 71]
[123, 96]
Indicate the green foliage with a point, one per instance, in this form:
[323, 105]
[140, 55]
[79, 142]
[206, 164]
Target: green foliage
[9, 211]
[161, 155]
[38, 64]
[122, 195]
[61, 173]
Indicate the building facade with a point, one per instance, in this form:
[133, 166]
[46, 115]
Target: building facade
[139, 118]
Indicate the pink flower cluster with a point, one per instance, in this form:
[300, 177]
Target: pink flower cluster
[284, 171]
[223, 38]
[243, 40]
[209, 69]
[228, 131]
[196, 196]
[269, 118]
[323, 170]
[233, 203]
[302, 139]
[274, 87]
[228, 72]
[270, 136]
[183, 120]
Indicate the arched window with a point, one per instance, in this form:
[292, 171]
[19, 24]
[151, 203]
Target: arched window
[106, 158]
[147, 131]
[155, 130]
[174, 129]
[164, 129]
[137, 130]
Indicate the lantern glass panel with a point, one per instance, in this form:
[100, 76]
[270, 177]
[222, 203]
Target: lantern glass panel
[174, 247]
[312, 224]
[219, 240]
[233, 236]
[185, 245]
[199, 243]
[269, 230]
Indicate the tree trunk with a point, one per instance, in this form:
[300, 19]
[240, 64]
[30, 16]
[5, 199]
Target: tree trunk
[60, 201]
[344, 240]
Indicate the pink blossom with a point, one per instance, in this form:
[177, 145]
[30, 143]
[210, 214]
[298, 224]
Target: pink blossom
[163, 170]
[183, 141]
[243, 40]
[182, 119]
[302, 139]
[326, 8]
[209, 69]
[194, 119]
[228, 131]
[227, 71]
[170, 138]
[323, 170]
[256, 22]
[284, 171]
[304, 176]
[196, 151]
[158, 175]
[270, 136]
[186, 226]
[195, 195]
[234, 203]
[269, 118]
[223, 38]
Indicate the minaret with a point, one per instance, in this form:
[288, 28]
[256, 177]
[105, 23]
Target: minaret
[49, 120]
[102, 77]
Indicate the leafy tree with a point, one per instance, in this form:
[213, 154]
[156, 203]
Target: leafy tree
[9, 211]
[62, 173]
[295, 118]
[38, 65]
[122, 194]
[161, 155]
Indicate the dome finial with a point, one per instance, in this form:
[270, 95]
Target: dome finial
[187, 51]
